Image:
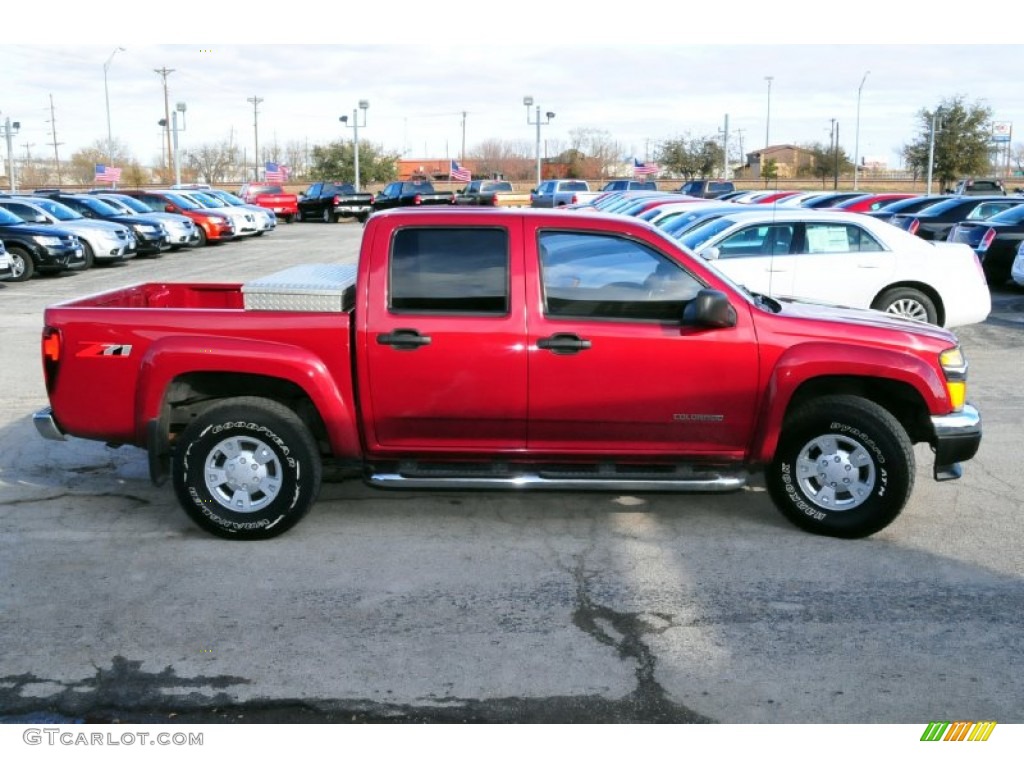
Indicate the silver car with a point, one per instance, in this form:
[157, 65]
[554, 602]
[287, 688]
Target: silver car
[6, 263]
[102, 241]
[266, 219]
[181, 230]
[244, 221]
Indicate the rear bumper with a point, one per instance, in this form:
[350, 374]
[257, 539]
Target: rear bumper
[957, 438]
[47, 426]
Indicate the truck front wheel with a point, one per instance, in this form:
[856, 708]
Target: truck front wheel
[246, 468]
[844, 467]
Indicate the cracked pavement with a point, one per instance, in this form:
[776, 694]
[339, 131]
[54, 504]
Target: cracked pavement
[387, 606]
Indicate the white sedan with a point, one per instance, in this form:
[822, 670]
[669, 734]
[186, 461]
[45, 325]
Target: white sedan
[846, 259]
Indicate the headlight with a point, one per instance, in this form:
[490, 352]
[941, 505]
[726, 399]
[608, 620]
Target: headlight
[149, 229]
[47, 240]
[218, 219]
[954, 366]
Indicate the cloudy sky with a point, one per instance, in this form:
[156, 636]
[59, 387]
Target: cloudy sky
[638, 77]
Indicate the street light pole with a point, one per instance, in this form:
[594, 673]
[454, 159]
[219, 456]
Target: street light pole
[255, 101]
[768, 119]
[363, 105]
[528, 102]
[10, 129]
[856, 141]
[106, 94]
[931, 149]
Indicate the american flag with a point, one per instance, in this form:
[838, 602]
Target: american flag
[107, 173]
[459, 173]
[645, 168]
[277, 174]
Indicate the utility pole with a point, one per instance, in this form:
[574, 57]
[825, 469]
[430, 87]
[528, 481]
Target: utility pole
[256, 101]
[725, 149]
[164, 72]
[53, 130]
[835, 171]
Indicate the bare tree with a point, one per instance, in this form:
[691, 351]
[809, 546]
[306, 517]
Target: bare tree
[598, 145]
[211, 163]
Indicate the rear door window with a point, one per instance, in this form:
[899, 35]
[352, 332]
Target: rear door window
[448, 270]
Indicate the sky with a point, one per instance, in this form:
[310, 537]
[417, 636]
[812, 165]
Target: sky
[435, 76]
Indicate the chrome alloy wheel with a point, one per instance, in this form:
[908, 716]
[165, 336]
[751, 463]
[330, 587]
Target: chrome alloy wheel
[909, 308]
[243, 474]
[835, 472]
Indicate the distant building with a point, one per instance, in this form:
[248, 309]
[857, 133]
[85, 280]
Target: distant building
[789, 159]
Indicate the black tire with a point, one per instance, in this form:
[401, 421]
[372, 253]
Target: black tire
[907, 302]
[202, 239]
[329, 216]
[996, 275]
[299, 216]
[22, 266]
[362, 217]
[264, 435]
[289, 218]
[844, 467]
[89, 254]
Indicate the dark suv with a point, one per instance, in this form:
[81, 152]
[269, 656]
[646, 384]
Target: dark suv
[707, 188]
[38, 248]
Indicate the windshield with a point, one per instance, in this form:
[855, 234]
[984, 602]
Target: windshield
[59, 211]
[118, 206]
[6, 217]
[228, 197]
[208, 200]
[696, 237]
[184, 203]
[135, 205]
[945, 205]
[1013, 215]
[98, 206]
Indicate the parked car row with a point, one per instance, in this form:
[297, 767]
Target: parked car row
[847, 249]
[49, 230]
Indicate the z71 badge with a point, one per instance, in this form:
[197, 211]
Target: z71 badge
[105, 350]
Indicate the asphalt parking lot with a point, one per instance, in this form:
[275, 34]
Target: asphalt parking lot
[473, 606]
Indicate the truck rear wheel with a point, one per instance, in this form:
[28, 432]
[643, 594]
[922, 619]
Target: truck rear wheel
[246, 468]
[844, 467]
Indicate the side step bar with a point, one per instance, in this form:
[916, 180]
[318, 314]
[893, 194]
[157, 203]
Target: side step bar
[562, 481]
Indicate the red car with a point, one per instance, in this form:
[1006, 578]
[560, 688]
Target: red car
[272, 196]
[871, 202]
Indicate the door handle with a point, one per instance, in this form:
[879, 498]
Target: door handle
[403, 339]
[564, 343]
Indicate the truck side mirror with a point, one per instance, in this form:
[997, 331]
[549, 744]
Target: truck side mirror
[710, 309]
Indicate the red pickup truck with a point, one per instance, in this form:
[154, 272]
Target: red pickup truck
[272, 196]
[473, 348]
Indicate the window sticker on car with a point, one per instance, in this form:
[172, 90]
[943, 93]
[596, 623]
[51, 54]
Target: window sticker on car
[822, 239]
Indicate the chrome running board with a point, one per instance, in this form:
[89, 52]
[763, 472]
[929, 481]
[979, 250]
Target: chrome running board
[561, 481]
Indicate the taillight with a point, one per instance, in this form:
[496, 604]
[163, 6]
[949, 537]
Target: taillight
[335, 200]
[417, 200]
[575, 199]
[494, 199]
[913, 226]
[987, 239]
[51, 355]
[372, 198]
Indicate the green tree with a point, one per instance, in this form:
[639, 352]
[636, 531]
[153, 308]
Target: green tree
[963, 141]
[825, 162]
[690, 156]
[769, 171]
[336, 162]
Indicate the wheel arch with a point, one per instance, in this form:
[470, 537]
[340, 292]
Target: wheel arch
[927, 290]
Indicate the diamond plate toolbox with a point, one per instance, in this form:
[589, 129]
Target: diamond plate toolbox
[303, 288]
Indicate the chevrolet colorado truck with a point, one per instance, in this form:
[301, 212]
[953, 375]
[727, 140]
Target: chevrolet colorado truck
[328, 201]
[506, 349]
[497, 193]
[284, 204]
